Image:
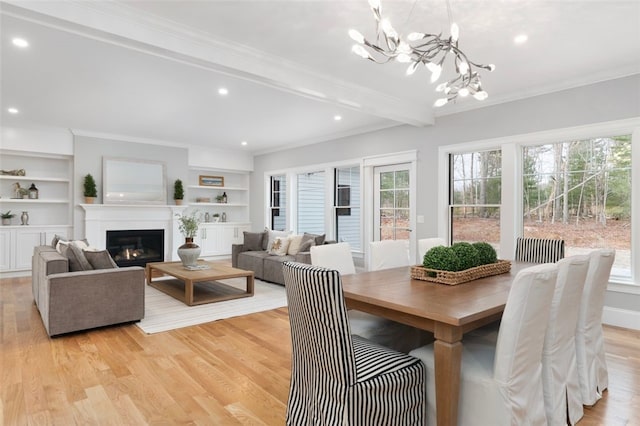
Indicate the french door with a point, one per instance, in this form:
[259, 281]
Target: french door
[392, 203]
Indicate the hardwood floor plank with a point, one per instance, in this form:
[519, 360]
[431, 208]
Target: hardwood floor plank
[231, 372]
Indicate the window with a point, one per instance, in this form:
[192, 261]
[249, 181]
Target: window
[580, 191]
[347, 205]
[392, 199]
[311, 202]
[278, 205]
[474, 196]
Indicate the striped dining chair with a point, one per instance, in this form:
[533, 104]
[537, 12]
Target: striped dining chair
[338, 378]
[539, 250]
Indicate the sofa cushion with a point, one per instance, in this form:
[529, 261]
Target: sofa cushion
[252, 261]
[100, 259]
[273, 268]
[306, 245]
[253, 240]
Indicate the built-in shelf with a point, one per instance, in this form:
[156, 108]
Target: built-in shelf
[219, 188]
[33, 178]
[220, 204]
[32, 201]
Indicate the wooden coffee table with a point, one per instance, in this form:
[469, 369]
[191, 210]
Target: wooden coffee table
[198, 286]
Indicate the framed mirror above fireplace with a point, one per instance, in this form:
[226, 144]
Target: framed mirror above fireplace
[131, 181]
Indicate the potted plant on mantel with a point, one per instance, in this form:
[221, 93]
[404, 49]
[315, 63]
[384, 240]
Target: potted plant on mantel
[6, 217]
[178, 192]
[188, 225]
[90, 190]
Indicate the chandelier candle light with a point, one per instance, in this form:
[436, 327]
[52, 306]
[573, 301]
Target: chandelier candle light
[421, 48]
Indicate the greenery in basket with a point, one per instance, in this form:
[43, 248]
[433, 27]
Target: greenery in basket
[90, 189]
[189, 223]
[7, 215]
[459, 256]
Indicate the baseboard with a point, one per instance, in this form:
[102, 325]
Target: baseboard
[15, 274]
[621, 318]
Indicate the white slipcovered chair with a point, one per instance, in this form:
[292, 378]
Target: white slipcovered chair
[501, 383]
[426, 244]
[334, 256]
[560, 381]
[592, 367]
[388, 254]
[337, 378]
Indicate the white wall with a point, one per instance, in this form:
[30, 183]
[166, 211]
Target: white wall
[37, 139]
[607, 101]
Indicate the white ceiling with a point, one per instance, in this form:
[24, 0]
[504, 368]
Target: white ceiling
[151, 69]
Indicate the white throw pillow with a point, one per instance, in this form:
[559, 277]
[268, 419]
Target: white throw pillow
[279, 246]
[294, 244]
[275, 234]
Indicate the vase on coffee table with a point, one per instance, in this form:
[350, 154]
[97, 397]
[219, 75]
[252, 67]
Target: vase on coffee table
[189, 252]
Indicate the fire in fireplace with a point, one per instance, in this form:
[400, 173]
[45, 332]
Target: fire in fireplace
[136, 247]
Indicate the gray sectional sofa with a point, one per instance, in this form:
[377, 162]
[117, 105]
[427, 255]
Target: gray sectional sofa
[73, 301]
[252, 255]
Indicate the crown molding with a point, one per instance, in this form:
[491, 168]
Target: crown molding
[127, 27]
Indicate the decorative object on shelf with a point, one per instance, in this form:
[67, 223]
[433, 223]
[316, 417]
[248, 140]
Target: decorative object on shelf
[219, 199]
[90, 191]
[223, 218]
[20, 192]
[188, 226]
[423, 48]
[24, 218]
[33, 192]
[178, 192]
[224, 198]
[211, 180]
[206, 217]
[6, 217]
[203, 199]
[460, 263]
[16, 172]
[216, 217]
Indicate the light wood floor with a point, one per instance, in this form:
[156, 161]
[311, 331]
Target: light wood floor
[227, 372]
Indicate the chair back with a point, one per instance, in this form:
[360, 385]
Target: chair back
[333, 256]
[559, 374]
[539, 250]
[426, 244]
[589, 338]
[388, 254]
[323, 361]
[522, 331]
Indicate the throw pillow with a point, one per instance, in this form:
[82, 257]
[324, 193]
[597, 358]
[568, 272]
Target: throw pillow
[294, 244]
[57, 238]
[319, 239]
[306, 245]
[279, 246]
[253, 240]
[76, 257]
[275, 234]
[100, 259]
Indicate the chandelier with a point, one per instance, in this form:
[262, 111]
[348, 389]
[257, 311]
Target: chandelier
[421, 48]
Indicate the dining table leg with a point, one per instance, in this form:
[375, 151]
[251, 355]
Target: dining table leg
[447, 364]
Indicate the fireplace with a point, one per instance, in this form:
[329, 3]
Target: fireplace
[136, 247]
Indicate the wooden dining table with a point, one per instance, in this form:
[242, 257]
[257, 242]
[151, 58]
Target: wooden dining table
[448, 311]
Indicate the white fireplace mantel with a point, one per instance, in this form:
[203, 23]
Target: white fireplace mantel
[100, 218]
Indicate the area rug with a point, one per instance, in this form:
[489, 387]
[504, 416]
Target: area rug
[163, 312]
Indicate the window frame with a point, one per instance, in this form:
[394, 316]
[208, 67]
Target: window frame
[512, 196]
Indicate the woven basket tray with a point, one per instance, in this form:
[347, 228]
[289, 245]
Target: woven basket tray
[452, 278]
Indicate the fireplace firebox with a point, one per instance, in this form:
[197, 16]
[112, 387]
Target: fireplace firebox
[136, 247]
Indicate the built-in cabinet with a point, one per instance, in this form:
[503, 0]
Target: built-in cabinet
[215, 239]
[204, 194]
[17, 243]
[49, 212]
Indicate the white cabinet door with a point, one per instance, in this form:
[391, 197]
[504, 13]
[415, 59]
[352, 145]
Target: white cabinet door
[26, 240]
[209, 240]
[6, 249]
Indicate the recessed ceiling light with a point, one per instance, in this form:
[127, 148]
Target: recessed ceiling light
[337, 117]
[223, 91]
[13, 110]
[521, 38]
[20, 42]
[243, 143]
